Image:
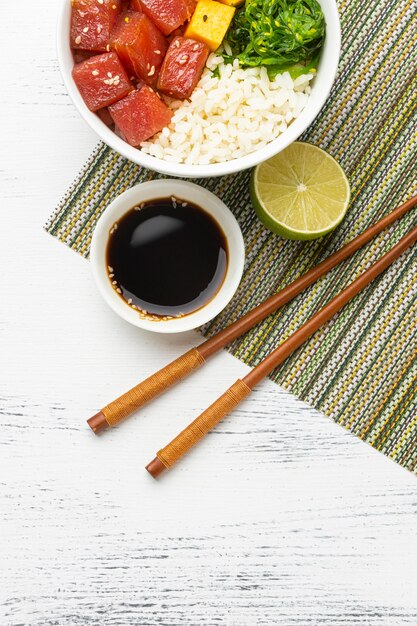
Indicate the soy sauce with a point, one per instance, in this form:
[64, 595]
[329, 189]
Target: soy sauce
[167, 258]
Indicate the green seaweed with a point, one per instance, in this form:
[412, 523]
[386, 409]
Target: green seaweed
[283, 35]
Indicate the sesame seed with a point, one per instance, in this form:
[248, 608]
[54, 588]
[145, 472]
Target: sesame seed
[78, 40]
[110, 268]
[109, 74]
[177, 43]
[114, 282]
[130, 301]
[111, 275]
[151, 71]
[183, 60]
[100, 1]
[99, 29]
[119, 290]
[157, 52]
[108, 47]
[114, 6]
[95, 72]
[196, 46]
[86, 29]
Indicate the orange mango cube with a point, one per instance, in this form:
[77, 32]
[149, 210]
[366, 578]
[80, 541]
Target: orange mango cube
[210, 22]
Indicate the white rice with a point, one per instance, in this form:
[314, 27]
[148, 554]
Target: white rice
[231, 116]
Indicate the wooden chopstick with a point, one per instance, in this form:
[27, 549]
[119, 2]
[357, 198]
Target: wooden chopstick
[169, 455]
[135, 398]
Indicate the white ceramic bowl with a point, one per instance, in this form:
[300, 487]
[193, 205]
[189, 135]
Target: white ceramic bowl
[320, 90]
[185, 191]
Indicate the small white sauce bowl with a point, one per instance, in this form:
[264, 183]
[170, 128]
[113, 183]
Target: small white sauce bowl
[194, 194]
[320, 90]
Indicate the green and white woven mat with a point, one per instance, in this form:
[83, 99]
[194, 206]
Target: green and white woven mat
[361, 368]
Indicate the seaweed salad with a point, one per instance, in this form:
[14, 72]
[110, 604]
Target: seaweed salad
[280, 34]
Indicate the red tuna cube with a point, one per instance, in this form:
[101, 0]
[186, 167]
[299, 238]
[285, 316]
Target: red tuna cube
[140, 45]
[167, 15]
[102, 80]
[140, 115]
[182, 67]
[91, 23]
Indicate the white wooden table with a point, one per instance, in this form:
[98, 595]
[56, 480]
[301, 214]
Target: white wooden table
[279, 517]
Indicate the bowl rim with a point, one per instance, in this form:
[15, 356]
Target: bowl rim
[321, 91]
[212, 205]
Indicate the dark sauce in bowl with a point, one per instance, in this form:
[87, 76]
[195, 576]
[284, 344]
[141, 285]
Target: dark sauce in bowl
[167, 258]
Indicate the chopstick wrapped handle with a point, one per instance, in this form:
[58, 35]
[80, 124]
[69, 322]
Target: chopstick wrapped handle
[168, 456]
[144, 392]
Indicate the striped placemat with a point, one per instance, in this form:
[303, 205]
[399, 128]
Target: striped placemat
[361, 368]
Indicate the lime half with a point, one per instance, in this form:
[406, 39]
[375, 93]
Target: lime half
[301, 193]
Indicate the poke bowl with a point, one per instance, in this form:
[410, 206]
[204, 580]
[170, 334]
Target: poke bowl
[223, 117]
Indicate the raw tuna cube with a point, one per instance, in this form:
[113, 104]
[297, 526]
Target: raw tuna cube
[140, 115]
[182, 67]
[101, 80]
[140, 45]
[91, 23]
[167, 14]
